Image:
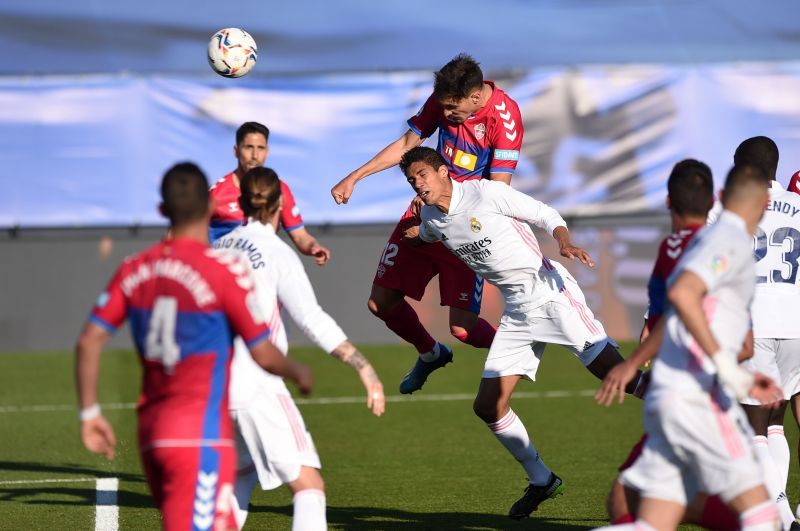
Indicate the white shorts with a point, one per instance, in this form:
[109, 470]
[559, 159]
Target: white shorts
[694, 444]
[272, 437]
[780, 360]
[523, 333]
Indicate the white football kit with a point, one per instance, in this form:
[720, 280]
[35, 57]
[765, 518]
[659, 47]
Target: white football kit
[776, 327]
[698, 436]
[271, 433]
[486, 227]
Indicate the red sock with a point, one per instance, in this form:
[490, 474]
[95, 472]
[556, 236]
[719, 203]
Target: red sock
[403, 321]
[717, 515]
[480, 335]
[624, 519]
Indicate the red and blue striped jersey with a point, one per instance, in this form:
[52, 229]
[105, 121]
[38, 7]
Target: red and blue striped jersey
[185, 302]
[487, 142]
[669, 253]
[228, 214]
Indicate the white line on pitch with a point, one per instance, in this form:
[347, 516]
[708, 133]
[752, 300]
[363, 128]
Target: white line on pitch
[40, 481]
[323, 401]
[106, 508]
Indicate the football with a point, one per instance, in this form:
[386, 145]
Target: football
[232, 52]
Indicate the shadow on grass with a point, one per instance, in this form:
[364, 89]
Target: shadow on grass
[380, 519]
[67, 468]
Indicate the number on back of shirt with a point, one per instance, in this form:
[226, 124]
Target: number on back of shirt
[783, 243]
[160, 344]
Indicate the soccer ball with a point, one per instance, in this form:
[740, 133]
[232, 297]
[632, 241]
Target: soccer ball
[232, 52]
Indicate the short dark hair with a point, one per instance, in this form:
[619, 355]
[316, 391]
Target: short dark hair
[740, 180]
[691, 188]
[457, 79]
[261, 190]
[184, 193]
[759, 151]
[421, 154]
[251, 127]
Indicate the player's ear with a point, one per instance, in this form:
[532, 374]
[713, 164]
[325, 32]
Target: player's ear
[236, 151]
[212, 205]
[162, 210]
[668, 202]
[443, 171]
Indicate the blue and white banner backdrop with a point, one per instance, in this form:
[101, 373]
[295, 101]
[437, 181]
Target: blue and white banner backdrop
[90, 150]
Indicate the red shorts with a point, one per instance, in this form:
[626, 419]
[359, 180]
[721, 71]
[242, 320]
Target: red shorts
[409, 269]
[192, 487]
[636, 451]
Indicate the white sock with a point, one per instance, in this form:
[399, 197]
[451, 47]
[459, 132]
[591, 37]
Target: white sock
[433, 355]
[779, 448]
[245, 482]
[309, 511]
[762, 517]
[512, 434]
[638, 525]
[772, 479]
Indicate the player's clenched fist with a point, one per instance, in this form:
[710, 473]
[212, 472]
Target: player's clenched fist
[343, 190]
[98, 436]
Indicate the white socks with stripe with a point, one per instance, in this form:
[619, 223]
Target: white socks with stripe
[762, 517]
[309, 511]
[779, 448]
[772, 480]
[512, 434]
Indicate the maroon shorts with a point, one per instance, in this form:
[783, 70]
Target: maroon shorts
[192, 487]
[409, 269]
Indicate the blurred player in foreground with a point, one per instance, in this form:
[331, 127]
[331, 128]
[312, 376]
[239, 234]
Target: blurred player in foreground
[484, 223]
[776, 330]
[251, 150]
[184, 302]
[480, 133]
[698, 437]
[274, 446]
[690, 195]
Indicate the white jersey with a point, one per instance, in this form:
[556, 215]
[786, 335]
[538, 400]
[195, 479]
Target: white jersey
[484, 228]
[777, 252]
[721, 255]
[281, 281]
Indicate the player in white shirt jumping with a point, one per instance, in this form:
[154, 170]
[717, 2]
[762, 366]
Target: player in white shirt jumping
[484, 223]
[776, 329]
[273, 444]
[698, 437]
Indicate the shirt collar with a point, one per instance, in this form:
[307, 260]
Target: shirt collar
[261, 226]
[733, 219]
[455, 199]
[775, 185]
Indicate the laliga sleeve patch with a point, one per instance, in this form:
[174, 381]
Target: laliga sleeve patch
[719, 264]
[506, 154]
[102, 300]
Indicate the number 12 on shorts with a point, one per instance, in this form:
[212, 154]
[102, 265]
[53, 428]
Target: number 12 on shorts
[160, 344]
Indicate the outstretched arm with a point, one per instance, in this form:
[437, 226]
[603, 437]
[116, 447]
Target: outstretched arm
[386, 158]
[96, 433]
[309, 246]
[348, 354]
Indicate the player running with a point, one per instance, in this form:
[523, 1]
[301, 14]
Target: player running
[251, 150]
[777, 334]
[698, 438]
[480, 134]
[484, 224]
[690, 195]
[184, 302]
[274, 446]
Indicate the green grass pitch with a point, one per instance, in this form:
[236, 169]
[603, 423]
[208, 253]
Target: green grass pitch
[428, 463]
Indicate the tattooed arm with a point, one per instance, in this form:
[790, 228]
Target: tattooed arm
[348, 354]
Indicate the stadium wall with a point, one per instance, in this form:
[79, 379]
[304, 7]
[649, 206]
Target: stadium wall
[49, 278]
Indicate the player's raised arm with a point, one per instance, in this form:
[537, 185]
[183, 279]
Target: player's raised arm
[386, 158]
[96, 433]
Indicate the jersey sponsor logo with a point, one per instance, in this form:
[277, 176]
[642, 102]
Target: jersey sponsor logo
[465, 160]
[472, 247]
[719, 264]
[475, 225]
[508, 123]
[480, 131]
[506, 154]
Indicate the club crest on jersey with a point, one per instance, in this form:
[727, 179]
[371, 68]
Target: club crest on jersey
[381, 270]
[475, 225]
[480, 131]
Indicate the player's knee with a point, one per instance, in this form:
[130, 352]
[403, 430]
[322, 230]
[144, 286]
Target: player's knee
[309, 478]
[459, 333]
[487, 411]
[374, 307]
